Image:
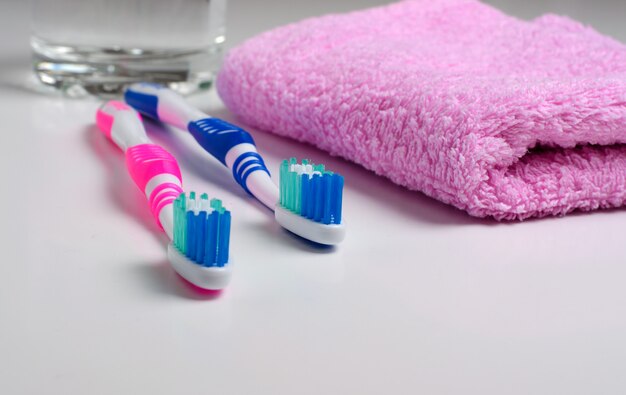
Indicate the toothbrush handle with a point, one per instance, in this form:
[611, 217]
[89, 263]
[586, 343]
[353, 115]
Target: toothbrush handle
[153, 169]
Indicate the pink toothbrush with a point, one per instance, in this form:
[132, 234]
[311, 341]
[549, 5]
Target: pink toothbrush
[199, 228]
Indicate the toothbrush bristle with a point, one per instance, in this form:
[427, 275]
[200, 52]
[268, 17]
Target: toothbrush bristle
[311, 191]
[202, 229]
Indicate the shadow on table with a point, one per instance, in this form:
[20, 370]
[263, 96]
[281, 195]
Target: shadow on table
[160, 278]
[120, 187]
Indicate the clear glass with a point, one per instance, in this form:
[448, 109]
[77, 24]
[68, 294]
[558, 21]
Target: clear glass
[99, 46]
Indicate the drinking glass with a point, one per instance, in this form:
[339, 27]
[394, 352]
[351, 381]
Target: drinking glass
[99, 46]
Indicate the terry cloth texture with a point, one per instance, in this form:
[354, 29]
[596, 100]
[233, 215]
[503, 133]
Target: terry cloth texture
[494, 115]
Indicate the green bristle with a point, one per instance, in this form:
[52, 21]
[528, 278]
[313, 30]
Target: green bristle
[298, 195]
[293, 191]
[216, 205]
[180, 221]
[292, 185]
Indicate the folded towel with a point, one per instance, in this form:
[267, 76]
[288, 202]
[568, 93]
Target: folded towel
[494, 115]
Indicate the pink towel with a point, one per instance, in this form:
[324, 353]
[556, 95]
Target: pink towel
[494, 115]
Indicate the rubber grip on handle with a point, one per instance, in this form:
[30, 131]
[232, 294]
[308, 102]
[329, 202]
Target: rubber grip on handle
[147, 161]
[217, 136]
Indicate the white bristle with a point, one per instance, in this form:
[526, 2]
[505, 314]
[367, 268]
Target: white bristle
[303, 169]
[205, 205]
[194, 206]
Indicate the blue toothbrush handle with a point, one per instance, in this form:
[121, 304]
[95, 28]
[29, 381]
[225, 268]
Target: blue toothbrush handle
[218, 137]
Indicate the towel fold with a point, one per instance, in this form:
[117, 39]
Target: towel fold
[494, 115]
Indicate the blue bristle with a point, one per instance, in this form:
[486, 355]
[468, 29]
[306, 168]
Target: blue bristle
[337, 196]
[326, 192]
[306, 199]
[322, 198]
[211, 242]
[202, 237]
[224, 240]
[317, 184]
[191, 233]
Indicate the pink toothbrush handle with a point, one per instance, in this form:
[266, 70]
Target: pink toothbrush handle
[153, 169]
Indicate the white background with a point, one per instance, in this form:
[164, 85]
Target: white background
[420, 299]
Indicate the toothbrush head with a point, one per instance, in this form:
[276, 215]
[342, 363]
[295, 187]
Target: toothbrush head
[310, 201]
[201, 235]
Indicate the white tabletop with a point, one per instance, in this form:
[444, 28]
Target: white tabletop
[419, 299]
